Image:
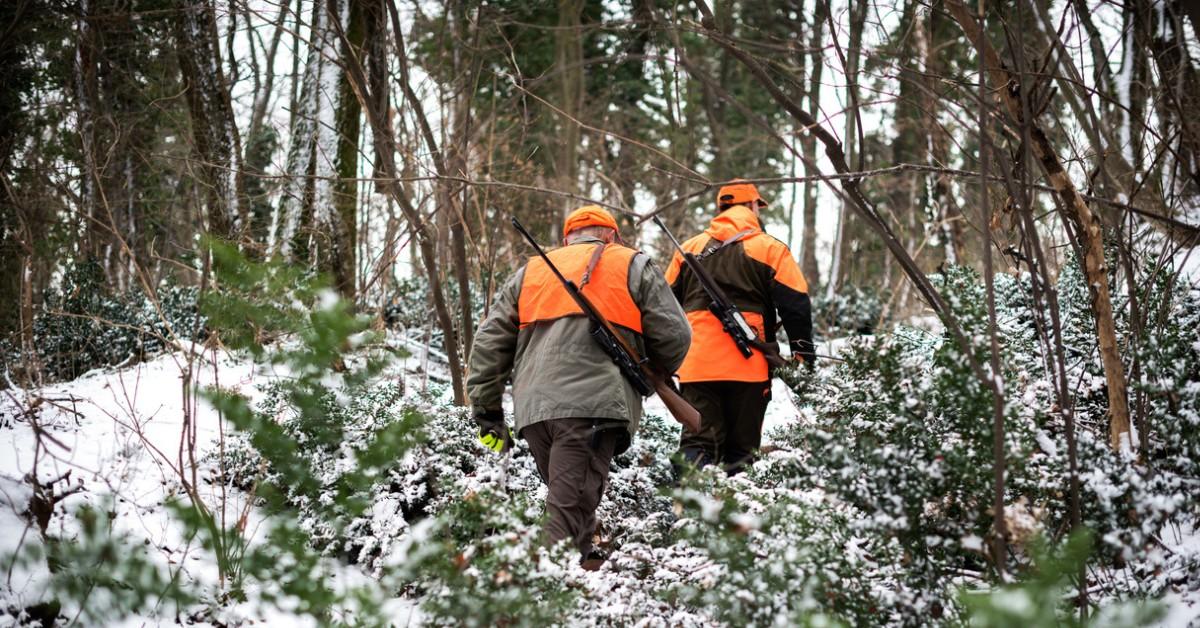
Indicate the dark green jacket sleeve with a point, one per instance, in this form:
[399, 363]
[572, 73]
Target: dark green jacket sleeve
[495, 346]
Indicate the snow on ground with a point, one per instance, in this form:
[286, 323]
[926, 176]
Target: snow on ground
[118, 434]
[1183, 609]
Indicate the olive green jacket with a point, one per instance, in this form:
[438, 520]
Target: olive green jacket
[556, 368]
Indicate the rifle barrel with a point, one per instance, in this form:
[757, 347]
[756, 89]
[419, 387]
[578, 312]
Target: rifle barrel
[517, 223]
[670, 235]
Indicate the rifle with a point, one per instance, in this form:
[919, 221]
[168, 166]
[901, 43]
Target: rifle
[726, 312]
[637, 371]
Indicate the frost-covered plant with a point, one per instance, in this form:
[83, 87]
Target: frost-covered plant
[84, 324]
[410, 306]
[1043, 594]
[636, 508]
[100, 573]
[754, 572]
[441, 461]
[1169, 382]
[483, 563]
[851, 311]
[904, 435]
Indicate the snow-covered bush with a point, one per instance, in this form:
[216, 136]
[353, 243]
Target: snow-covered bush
[773, 557]
[903, 434]
[99, 574]
[411, 307]
[1037, 599]
[851, 311]
[83, 324]
[483, 563]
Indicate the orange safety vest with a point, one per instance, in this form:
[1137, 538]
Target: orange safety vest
[544, 298]
[713, 355]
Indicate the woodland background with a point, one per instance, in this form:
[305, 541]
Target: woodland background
[995, 205]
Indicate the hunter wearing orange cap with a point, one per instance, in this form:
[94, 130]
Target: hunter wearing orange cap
[760, 278]
[571, 403]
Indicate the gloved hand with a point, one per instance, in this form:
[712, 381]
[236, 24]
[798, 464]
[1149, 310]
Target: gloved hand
[804, 353]
[493, 432]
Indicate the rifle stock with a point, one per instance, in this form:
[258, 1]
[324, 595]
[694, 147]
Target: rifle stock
[684, 413]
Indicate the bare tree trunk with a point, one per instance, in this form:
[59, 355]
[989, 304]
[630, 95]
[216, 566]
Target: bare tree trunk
[568, 56]
[87, 98]
[214, 129]
[343, 221]
[1180, 83]
[368, 96]
[999, 544]
[261, 140]
[1007, 86]
[858, 16]
[313, 147]
[808, 259]
[468, 68]
[952, 221]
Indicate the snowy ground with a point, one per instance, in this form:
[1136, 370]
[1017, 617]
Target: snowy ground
[117, 433]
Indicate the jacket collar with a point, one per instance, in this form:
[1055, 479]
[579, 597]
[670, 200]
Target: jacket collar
[733, 221]
[586, 240]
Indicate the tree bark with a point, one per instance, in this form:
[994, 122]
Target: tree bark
[808, 259]
[568, 55]
[841, 244]
[369, 98]
[1007, 86]
[87, 98]
[343, 222]
[999, 540]
[468, 68]
[1180, 83]
[952, 221]
[214, 130]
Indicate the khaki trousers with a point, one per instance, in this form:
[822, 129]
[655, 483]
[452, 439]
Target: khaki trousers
[573, 459]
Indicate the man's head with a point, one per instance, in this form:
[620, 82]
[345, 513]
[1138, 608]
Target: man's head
[739, 193]
[590, 221]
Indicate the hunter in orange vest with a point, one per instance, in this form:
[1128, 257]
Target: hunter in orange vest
[760, 277]
[571, 403]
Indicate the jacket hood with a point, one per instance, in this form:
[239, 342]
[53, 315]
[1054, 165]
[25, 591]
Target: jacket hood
[733, 221]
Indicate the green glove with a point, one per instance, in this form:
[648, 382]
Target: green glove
[493, 432]
[496, 442]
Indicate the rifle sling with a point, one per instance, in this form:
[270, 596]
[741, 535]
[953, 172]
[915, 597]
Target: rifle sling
[596, 255]
[722, 244]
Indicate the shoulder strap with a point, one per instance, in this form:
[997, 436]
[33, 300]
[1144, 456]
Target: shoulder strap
[737, 236]
[596, 255]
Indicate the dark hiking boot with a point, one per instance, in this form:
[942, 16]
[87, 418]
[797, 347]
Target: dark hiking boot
[684, 461]
[593, 560]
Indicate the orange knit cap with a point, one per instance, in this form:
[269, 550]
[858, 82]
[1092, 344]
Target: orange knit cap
[588, 216]
[739, 194]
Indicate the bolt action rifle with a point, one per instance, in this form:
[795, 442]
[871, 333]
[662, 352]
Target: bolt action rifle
[637, 370]
[731, 318]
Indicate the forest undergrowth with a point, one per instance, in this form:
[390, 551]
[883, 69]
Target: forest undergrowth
[873, 510]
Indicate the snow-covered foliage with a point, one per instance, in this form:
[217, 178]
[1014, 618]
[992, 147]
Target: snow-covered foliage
[877, 510]
[850, 311]
[83, 324]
